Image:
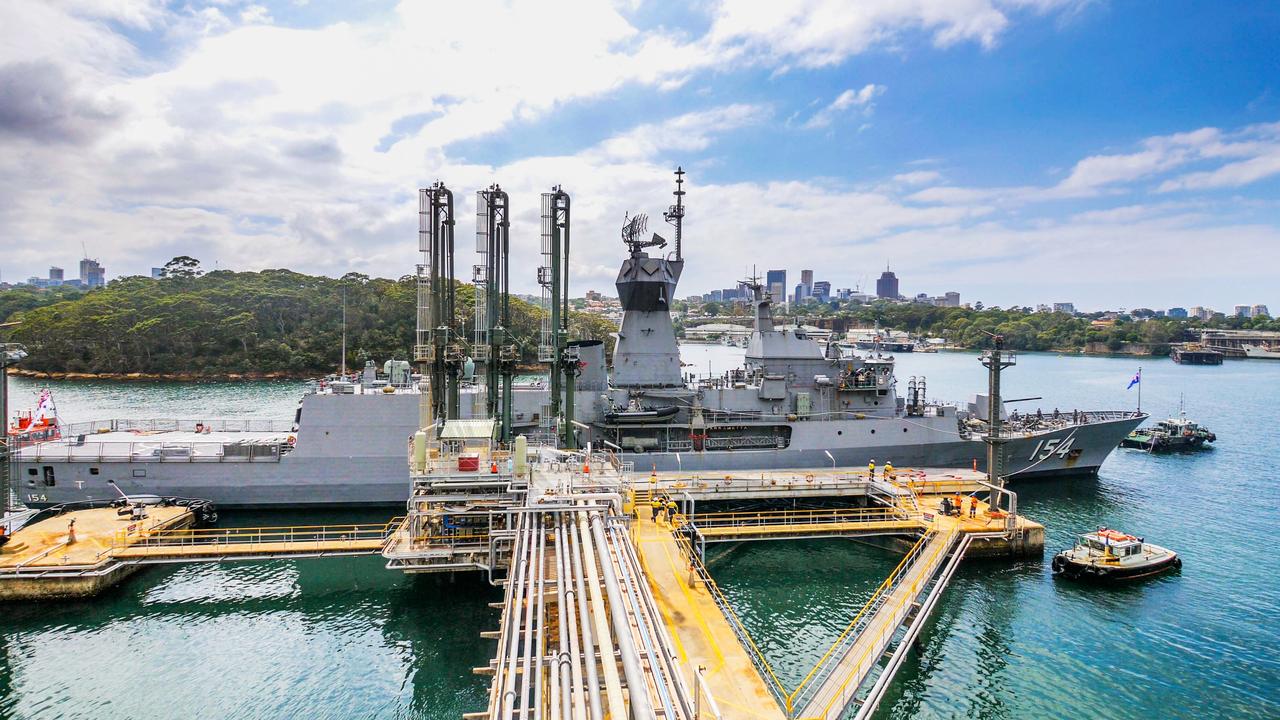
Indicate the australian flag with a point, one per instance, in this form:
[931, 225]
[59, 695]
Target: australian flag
[1137, 379]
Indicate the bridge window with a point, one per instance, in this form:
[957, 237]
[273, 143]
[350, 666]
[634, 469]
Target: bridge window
[93, 471]
[32, 471]
[49, 480]
[140, 472]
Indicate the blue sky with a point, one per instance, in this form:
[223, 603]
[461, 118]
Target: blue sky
[1017, 151]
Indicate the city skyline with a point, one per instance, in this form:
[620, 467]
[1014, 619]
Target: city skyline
[1000, 149]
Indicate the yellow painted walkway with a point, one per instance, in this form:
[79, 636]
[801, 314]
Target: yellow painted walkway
[215, 550]
[851, 667]
[701, 633]
[46, 542]
[819, 529]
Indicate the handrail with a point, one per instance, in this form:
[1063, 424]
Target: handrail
[891, 627]
[93, 427]
[794, 517]
[155, 450]
[758, 658]
[257, 536]
[884, 588]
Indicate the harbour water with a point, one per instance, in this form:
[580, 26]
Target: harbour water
[344, 638]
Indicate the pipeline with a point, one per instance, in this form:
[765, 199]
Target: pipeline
[506, 690]
[613, 685]
[660, 659]
[561, 679]
[641, 707]
[533, 651]
[588, 641]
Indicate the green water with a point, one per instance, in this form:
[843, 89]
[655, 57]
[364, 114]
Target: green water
[344, 638]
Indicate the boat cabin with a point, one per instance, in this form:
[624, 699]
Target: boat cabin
[1111, 542]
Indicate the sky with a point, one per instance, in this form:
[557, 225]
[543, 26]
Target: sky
[1110, 154]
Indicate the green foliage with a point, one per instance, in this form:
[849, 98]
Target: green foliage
[1025, 330]
[25, 297]
[274, 321]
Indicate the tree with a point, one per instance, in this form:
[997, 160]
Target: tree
[182, 266]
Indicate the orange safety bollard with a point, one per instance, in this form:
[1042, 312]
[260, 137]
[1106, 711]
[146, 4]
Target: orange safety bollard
[493, 467]
[975, 464]
[586, 468]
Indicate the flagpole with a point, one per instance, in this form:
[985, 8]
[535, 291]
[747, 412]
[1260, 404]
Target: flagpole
[1139, 388]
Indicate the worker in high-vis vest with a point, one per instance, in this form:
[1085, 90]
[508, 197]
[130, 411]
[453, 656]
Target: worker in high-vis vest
[871, 469]
[656, 504]
[888, 470]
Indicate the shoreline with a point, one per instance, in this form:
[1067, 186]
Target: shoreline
[183, 377]
[186, 376]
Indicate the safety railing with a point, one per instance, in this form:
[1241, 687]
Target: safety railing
[883, 600]
[259, 536]
[94, 427]
[706, 521]
[154, 451]
[700, 573]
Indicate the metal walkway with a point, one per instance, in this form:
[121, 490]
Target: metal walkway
[266, 543]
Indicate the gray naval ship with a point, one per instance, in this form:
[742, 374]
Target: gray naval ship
[795, 403]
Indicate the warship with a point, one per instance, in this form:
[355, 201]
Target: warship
[795, 403]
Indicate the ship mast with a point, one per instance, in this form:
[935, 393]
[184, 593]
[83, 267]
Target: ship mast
[675, 214]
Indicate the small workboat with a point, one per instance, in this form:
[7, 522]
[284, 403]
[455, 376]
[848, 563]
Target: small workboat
[1110, 555]
[636, 413]
[1173, 435]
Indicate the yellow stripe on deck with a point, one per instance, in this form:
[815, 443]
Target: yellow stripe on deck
[700, 630]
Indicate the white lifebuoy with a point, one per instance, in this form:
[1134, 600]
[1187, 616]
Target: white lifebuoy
[808, 478]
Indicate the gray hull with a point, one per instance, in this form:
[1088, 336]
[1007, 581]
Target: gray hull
[1039, 455]
[352, 451]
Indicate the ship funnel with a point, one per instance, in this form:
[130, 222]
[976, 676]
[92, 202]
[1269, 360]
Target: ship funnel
[592, 374]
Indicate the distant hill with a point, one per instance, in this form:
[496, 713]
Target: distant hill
[224, 322]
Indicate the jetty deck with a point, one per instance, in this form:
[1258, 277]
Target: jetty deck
[607, 611]
[610, 610]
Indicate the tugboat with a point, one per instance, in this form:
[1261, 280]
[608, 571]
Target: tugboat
[1110, 555]
[36, 426]
[1173, 435]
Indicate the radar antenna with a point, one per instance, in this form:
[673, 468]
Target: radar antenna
[633, 230]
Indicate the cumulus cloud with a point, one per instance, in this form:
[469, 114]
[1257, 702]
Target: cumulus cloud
[848, 100]
[254, 144]
[39, 102]
[1243, 156]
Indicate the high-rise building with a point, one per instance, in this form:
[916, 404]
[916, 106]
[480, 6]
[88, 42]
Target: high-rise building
[887, 285]
[55, 275]
[776, 284]
[1259, 311]
[822, 291]
[1068, 308]
[92, 274]
[952, 299]
[799, 296]
[1177, 312]
[806, 279]
[1242, 311]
